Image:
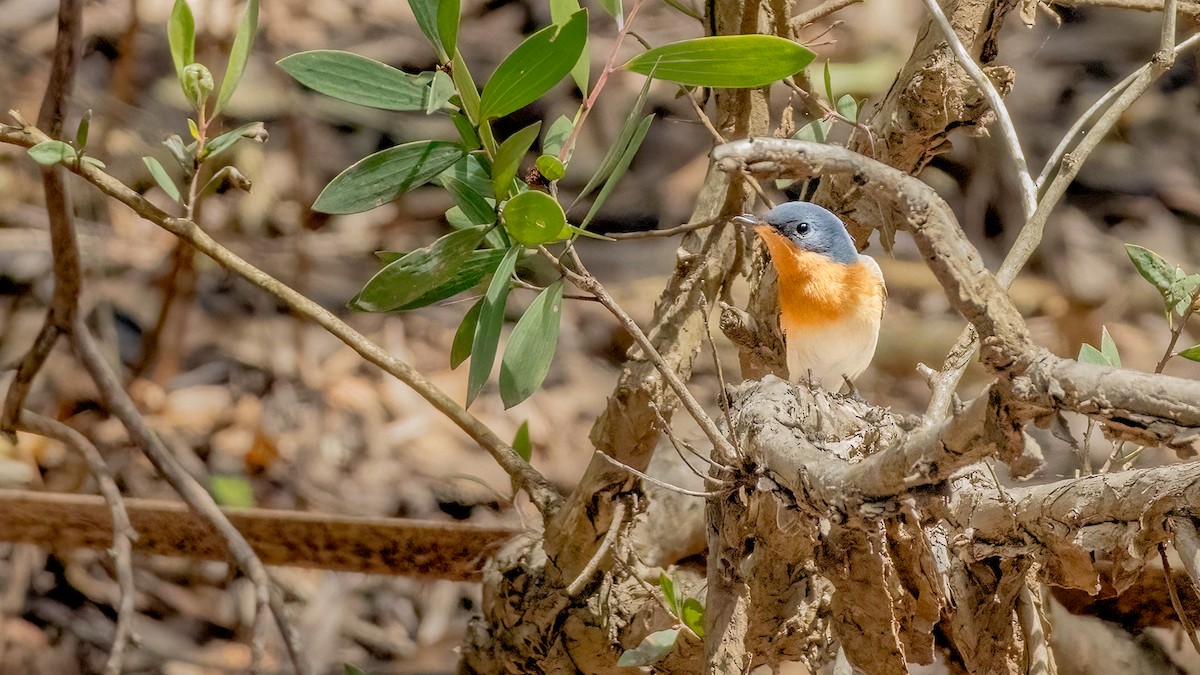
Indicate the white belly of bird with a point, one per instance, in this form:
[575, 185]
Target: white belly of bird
[831, 352]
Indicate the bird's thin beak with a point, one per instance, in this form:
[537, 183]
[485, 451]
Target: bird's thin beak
[746, 220]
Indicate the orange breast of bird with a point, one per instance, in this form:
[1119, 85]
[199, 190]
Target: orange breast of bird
[815, 291]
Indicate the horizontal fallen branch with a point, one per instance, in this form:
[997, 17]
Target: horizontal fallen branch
[394, 546]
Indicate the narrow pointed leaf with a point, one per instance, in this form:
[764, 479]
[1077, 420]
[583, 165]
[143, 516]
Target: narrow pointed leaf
[382, 177]
[561, 11]
[1191, 353]
[613, 156]
[556, 135]
[464, 337]
[619, 170]
[181, 35]
[667, 585]
[614, 9]
[1153, 268]
[81, 132]
[692, 615]
[179, 151]
[828, 83]
[160, 176]
[477, 265]
[531, 346]
[239, 54]
[51, 152]
[651, 650]
[470, 185]
[438, 20]
[1109, 348]
[1089, 354]
[509, 156]
[252, 130]
[420, 273]
[357, 79]
[468, 93]
[536, 65]
[521, 442]
[491, 320]
[726, 61]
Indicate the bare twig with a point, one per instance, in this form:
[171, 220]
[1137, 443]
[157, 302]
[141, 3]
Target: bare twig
[1067, 167]
[1007, 131]
[820, 11]
[1188, 7]
[614, 528]
[193, 493]
[668, 232]
[719, 139]
[541, 492]
[1176, 603]
[1039, 658]
[579, 276]
[651, 479]
[123, 534]
[63, 244]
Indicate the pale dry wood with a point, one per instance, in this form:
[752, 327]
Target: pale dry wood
[392, 546]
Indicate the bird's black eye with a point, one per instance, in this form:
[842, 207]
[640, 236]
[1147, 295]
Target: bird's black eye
[802, 228]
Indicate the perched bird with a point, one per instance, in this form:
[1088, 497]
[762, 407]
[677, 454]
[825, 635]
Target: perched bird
[831, 297]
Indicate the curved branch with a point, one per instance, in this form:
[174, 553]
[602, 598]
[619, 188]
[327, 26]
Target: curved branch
[542, 493]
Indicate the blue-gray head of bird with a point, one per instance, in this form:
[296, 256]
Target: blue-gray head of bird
[811, 228]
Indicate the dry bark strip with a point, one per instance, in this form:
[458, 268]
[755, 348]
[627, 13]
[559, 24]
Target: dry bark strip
[394, 546]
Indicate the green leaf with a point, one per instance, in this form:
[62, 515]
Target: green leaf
[466, 131]
[613, 156]
[357, 79]
[1182, 290]
[81, 132]
[561, 11]
[1154, 269]
[160, 176]
[724, 61]
[438, 20]
[509, 156]
[815, 130]
[351, 670]
[847, 107]
[468, 93]
[252, 130]
[382, 177]
[667, 585]
[231, 491]
[420, 273]
[692, 615]
[531, 346]
[521, 442]
[439, 93]
[1089, 354]
[614, 9]
[51, 152]
[1191, 353]
[533, 218]
[652, 649]
[619, 170]
[180, 152]
[464, 337]
[239, 54]
[536, 65]
[92, 161]
[181, 35]
[828, 83]
[491, 320]
[557, 135]
[478, 264]
[550, 168]
[470, 184]
[1109, 348]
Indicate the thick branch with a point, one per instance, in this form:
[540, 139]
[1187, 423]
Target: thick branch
[1136, 404]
